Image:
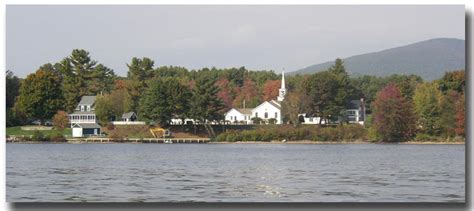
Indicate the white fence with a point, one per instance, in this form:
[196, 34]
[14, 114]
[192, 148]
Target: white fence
[128, 123]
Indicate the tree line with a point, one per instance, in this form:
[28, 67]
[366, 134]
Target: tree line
[399, 106]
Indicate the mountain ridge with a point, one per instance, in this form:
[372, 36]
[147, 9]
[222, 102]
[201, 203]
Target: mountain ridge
[428, 59]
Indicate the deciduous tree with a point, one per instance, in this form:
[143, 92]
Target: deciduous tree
[40, 95]
[394, 119]
[293, 105]
[270, 89]
[461, 116]
[61, 120]
[426, 101]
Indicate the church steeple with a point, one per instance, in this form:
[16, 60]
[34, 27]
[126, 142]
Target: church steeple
[282, 91]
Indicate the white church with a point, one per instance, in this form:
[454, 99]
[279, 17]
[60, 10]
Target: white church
[270, 111]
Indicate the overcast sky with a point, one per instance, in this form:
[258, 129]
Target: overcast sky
[257, 37]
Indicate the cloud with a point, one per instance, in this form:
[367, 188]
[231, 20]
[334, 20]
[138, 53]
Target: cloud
[187, 43]
[244, 34]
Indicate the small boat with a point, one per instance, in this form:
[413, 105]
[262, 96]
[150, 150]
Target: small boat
[168, 142]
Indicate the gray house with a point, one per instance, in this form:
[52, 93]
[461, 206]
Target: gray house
[129, 117]
[83, 120]
[355, 111]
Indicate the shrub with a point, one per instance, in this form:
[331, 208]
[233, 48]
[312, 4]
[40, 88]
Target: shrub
[57, 137]
[38, 136]
[288, 132]
[424, 137]
[272, 121]
[110, 126]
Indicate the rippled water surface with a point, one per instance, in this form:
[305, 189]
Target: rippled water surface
[234, 173]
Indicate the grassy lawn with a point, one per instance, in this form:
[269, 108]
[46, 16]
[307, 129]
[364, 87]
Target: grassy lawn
[17, 131]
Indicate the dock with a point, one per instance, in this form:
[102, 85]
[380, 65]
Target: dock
[140, 140]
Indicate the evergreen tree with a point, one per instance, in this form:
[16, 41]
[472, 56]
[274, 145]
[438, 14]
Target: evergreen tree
[140, 71]
[82, 76]
[12, 88]
[164, 99]
[205, 105]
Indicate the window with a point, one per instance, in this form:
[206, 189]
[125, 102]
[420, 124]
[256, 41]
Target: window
[88, 108]
[256, 114]
[350, 112]
[82, 108]
[266, 115]
[276, 115]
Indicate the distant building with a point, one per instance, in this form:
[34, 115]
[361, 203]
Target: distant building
[355, 111]
[83, 120]
[129, 117]
[239, 115]
[310, 120]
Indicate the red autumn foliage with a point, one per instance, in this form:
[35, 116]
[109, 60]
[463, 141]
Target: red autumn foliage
[120, 84]
[270, 89]
[247, 92]
[224, 92]
[394, 119]
[460, 116]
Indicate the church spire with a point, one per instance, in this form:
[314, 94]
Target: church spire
[282, 91]
[283, 81]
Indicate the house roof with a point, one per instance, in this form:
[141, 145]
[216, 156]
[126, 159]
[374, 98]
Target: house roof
[87, 125]
[247, 111]
[87, 100]
[353, 104]
[128, 115]
[83, 112]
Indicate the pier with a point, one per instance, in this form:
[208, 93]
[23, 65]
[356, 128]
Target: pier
[140, 140]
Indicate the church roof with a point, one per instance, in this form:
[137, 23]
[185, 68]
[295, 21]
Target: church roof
[247, 111]
[275, 103]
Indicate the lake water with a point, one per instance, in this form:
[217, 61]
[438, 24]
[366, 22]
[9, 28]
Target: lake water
[234, 173]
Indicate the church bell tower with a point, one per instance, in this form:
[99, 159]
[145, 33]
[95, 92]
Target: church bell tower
[282, 91]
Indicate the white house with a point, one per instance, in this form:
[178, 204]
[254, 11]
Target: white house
[239, 115]
[83, 120]
[310, 120]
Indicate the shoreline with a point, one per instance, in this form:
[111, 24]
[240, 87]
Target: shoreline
[340, 142]
[254, 142]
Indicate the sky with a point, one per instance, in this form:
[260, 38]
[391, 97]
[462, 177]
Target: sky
[258, 37]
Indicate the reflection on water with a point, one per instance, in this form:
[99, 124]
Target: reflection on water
[234, 173]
